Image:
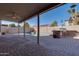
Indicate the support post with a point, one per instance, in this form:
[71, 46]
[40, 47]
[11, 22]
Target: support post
[0, 26]
[38, 29]
[24, 29]
[18, 29]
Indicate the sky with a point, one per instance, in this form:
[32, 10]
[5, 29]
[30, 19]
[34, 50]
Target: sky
[58, 14]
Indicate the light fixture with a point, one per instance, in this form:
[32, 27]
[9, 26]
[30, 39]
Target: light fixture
[12, 15]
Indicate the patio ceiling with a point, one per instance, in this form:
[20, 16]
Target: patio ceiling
[18, 12]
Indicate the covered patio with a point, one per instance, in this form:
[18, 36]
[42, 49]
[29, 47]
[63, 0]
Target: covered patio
[19, 12]
[39, 45]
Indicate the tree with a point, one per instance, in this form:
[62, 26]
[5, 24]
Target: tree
[72, 9]
[12, 25]
[74, 19]
[69, 11]
[54, 23]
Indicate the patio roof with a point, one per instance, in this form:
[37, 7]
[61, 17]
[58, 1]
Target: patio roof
[18, 12]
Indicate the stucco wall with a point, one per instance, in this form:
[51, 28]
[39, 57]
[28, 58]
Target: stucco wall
[11, 29]
[48, 30]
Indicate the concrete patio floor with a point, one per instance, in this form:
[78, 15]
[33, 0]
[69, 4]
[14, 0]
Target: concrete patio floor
[17, 45]
[67, 46]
